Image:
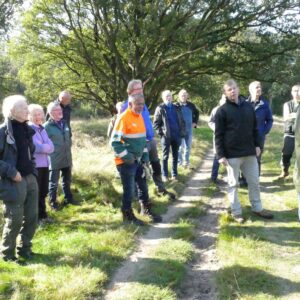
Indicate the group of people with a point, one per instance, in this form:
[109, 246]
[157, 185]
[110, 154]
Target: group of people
[132, 139]
[32, 156]
[240, 127]
[264, 123]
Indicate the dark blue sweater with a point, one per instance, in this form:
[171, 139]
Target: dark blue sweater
[173, 121]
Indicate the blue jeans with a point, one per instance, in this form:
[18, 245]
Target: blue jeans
[215, 168]
[66, 174]
[166, 144]
[185, 149]
[155, 164]
[131, 177]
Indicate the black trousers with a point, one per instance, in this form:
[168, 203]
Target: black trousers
[287, 151]
[43, 182]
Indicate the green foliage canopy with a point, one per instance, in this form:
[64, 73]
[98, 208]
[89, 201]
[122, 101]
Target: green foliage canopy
[7, 8]
[94, 47]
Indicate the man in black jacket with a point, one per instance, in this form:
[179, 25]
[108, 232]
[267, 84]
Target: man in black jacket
[237, 146]
[170, 126]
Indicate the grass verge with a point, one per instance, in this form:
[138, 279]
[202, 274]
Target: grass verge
[79, 250]
[259, 259]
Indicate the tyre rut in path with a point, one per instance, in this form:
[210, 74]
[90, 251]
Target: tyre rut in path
[199, 282]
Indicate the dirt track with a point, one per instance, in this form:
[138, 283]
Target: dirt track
[199, 282]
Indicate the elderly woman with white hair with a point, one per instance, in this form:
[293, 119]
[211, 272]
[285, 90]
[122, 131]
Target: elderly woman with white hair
[43, 147]
[18, 184]
[61, 159]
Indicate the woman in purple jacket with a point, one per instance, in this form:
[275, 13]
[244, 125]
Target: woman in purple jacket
[43, 147]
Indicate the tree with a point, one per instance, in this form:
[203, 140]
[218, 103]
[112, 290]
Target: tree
[7, 8]
[8, 75]
[94, 47]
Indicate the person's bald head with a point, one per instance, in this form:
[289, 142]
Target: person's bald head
[64, 98]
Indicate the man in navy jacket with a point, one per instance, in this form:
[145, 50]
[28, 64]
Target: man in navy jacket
[264, 118]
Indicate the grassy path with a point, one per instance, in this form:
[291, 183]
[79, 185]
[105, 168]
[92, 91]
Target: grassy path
[79, 251]
[260, 259]
[143, 271]
[199, 282]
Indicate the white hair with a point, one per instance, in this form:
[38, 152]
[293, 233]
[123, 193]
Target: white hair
[10, 103]
[165, 93]
[182, 92]
[253, 85]
[32, 108]
[133, 98]
[63, 94]
[51, 106]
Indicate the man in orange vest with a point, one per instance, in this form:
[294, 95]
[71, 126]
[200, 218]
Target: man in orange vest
[129, 143]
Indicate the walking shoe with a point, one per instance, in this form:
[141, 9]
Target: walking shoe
[238, 218]
[165, 179]
[284, 174]
[54, 206]
[26, 254]
[264, 214]
[70, 201]
[128, 216]
[147, 211]
[9, 258]
[174, 178]
[167, 193]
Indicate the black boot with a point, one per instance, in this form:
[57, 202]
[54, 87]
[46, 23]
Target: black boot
[70, 201]
[146, 210]
[54, 206]
[284, 173]
[128, 216]
[171, 195]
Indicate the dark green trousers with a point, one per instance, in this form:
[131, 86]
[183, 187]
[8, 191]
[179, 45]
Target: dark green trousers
[20, 218]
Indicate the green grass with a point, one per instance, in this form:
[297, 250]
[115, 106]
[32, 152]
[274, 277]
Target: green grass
[85, 244]
[140, 291]
[159, 273]
[259, 259]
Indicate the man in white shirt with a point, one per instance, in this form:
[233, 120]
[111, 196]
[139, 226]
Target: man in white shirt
[289, 115]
